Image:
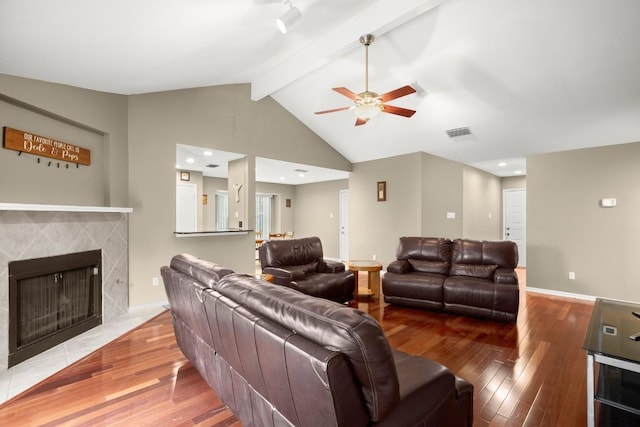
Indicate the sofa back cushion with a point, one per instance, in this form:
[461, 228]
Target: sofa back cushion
[481, 258]
[206, 272]
[426, 254]
[305, 253]
[353, 333]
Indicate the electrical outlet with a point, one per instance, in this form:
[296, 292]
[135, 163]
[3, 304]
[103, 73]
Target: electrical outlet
[374, 257]
[572, 275]
[451, 215]
[154, 281]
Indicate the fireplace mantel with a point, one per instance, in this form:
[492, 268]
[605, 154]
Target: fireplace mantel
[60, 208]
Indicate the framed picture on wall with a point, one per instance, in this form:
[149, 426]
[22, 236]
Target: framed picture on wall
[185, 176]
[382, 191]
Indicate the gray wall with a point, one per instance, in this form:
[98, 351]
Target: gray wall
[567, 230]
[482, 205]
[441, 192]
[317, 213]
[510, 182]
[86, 118]
[374, 227]
[221, 118]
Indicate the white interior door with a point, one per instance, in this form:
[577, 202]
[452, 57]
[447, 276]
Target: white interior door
[515, 220]
[344, 225]
[186, 207]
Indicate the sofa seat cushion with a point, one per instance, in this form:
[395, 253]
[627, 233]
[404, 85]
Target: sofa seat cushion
[481, 297]
[416, 392]
[424, 286]
[325, 285]
[482, 271]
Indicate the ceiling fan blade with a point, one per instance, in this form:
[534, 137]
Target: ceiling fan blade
[398, 110]
[360, 121]
[397, 93]
[333, 110]
[346, 92]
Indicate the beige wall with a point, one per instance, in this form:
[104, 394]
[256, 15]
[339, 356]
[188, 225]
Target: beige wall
[567, 230]
[317, 213]
[511, 182]
[221, 118]
[374, 227]
[441, 192]
[482, 205]
[89, 119]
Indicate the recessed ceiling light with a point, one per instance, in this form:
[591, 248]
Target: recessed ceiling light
[208, 153]
[177, 166]
[190, 160]
[518, 172]
[300, 175]
[502, 164]
[282, 178]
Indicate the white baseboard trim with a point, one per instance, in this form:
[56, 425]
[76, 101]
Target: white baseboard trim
[560, 293]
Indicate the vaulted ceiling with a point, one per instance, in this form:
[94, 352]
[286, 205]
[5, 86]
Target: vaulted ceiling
[526, 77]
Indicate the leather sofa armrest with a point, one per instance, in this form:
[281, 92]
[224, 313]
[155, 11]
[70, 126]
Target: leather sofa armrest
[399, 266]
[506, 276]
[280, 275]
[330, 267]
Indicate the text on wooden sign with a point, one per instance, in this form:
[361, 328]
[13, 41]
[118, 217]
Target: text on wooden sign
[18, 140]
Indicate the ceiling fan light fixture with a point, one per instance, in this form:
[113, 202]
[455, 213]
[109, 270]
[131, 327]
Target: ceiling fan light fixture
[367, 111]
[290, 18]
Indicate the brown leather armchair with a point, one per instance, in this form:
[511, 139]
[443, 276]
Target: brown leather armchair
[299, 264]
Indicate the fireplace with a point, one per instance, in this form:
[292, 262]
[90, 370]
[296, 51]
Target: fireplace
[51, 300]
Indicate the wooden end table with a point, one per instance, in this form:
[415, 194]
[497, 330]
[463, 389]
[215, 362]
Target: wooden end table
[373, 271]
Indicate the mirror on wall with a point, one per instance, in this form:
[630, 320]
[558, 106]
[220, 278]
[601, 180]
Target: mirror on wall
[206, 202]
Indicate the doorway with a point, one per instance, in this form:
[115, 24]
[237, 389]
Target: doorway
[515, 220]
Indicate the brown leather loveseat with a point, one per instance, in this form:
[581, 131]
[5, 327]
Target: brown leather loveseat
[468, 277]
[278, 357]
[299, 264]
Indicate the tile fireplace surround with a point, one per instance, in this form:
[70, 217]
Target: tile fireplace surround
[35, 231]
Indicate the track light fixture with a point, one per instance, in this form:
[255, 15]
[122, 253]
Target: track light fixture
[290, 18]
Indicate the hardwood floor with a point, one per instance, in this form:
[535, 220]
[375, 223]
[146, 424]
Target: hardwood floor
[527, 374]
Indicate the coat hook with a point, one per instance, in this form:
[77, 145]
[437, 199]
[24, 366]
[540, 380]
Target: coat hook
[67, 165]
[49, 164]
[58, 165]
[38, 159]
[19, 153]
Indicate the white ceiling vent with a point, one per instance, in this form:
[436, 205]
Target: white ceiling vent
[458, 132]
[211, 165]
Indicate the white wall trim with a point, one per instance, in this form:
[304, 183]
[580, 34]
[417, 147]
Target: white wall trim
[560, 293]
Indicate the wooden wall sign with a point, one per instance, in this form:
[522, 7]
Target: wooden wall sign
[42, 146]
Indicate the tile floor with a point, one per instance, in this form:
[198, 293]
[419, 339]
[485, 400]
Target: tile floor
[30, 372]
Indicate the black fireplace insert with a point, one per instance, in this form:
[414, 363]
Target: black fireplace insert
[51, 300]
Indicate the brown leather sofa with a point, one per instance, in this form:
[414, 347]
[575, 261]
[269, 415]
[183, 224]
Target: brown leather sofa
[299, 264]
[468, 277]
[278, 357]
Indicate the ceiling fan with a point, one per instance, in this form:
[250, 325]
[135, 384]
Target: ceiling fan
[368, 104]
